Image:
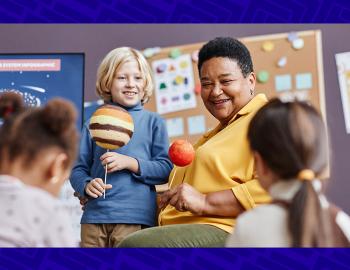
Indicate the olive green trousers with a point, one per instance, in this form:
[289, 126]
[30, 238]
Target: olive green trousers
[182, 235]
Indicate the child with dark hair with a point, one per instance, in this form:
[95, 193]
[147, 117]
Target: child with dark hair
[290, 147]
[38, 147]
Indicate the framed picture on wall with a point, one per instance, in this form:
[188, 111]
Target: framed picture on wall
[343, 66]
[40, 77]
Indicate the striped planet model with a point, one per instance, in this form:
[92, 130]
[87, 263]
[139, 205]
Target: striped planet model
[111, 127]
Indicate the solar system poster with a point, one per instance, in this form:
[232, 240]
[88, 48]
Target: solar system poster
[40, 77]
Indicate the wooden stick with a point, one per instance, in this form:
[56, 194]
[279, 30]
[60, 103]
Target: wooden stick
[172, 178]
[104, 190]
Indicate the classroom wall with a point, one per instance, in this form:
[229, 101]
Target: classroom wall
[96, 40]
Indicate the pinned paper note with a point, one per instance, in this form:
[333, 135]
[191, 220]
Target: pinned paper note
[283, 82]
[175, 126]
[293, 96]
[194, 56]
[292, 36]
[175, 53]
[286, 96]
[196, 124]
[298, 44]
[282, 62]
[268, 46]
[263, 76]
[149, 52]
[303, 81]
[302, 95]
[198, 89]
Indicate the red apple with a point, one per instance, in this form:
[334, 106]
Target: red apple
[181, 153]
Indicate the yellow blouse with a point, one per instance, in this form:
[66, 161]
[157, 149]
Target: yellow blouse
[223, 161]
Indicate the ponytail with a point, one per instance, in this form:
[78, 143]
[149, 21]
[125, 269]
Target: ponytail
[309, 220]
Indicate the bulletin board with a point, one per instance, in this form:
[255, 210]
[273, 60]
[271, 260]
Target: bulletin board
[286, 71]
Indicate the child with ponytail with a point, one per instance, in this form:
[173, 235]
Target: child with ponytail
[290, 146]
[38, 147]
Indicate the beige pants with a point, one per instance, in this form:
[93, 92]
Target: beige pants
[105, 235]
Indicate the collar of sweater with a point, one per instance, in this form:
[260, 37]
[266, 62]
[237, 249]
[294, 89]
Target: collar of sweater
[137, 107]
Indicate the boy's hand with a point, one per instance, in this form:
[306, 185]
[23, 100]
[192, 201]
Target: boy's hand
[96, 187]
[118, 162]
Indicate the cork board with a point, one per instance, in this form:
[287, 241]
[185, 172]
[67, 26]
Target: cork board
[301, 76]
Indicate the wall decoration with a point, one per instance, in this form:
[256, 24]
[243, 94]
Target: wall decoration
[283, 82]
[343, 66]
[175, 126]
[175, 84]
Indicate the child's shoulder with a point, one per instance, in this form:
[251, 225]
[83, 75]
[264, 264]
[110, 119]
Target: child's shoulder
[38, 202]
[262, 213]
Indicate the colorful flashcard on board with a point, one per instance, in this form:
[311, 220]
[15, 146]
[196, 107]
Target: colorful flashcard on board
[283, 82]
[196, 124]
[303, 81]
[343, 66]
[175, 126]
[175, 84]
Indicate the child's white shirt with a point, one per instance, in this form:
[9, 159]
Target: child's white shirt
[267, 225]
[31, 217]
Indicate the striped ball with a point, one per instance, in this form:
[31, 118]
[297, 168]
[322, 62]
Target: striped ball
[111, 127]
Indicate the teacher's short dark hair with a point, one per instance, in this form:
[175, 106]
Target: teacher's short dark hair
[227, 47]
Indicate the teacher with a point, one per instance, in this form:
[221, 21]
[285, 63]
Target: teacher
[205, 197]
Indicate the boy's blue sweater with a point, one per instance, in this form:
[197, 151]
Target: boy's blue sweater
[132, 199]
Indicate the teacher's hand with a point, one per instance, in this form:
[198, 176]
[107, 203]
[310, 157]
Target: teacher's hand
[184, 198]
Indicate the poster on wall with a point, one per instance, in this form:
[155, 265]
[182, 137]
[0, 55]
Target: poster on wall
[343, 66]
[174, 84]
[40, 77]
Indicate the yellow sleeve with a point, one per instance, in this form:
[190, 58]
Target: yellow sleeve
[251, 194]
